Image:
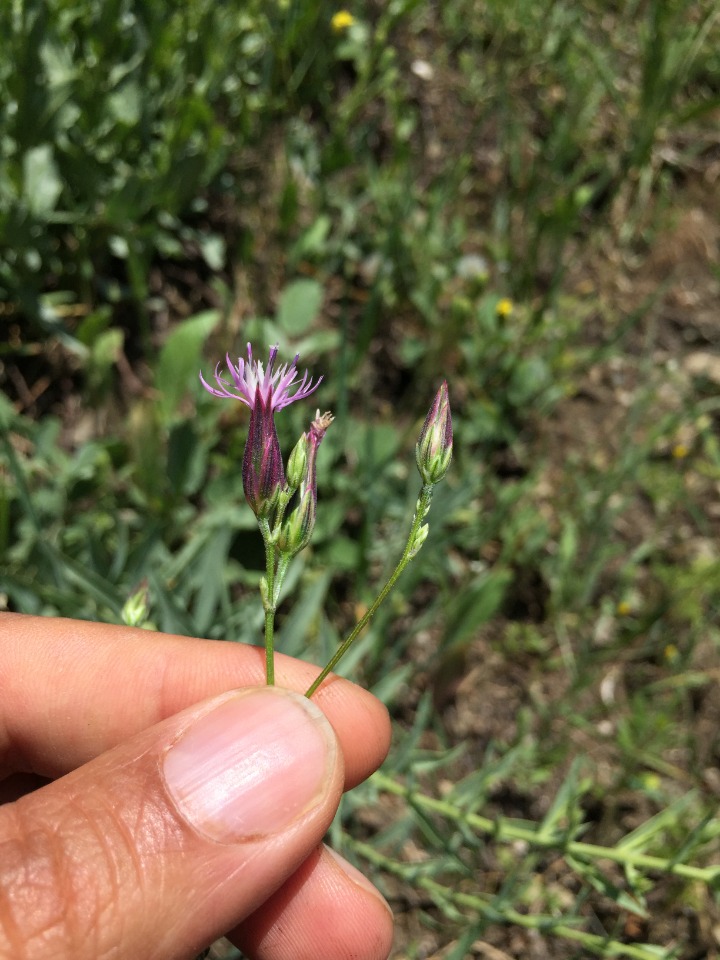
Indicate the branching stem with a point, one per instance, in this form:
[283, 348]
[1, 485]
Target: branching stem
[507, 831]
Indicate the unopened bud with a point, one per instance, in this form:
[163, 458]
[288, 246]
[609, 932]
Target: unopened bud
[297, 463]
[296, 530]
[434, 448]
[136, 608]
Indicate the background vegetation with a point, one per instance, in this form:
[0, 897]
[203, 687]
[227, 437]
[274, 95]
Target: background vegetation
[519, 197]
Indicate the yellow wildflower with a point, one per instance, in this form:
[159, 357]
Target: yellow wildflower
[680, 451]
[650, 781]
[504, 307]
[342, 20]
[624, 608]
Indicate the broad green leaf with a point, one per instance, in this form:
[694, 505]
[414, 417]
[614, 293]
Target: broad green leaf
[41, 181]
[299, 305]
[125, 103]
[213, 250]
[528, 380]
[181, 359]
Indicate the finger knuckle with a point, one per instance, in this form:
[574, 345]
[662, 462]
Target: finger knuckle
[64, 876]
[34, 875]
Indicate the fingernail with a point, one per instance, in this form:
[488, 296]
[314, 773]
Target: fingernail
[252, 765]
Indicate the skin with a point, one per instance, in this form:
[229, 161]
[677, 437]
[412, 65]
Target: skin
[95, 860]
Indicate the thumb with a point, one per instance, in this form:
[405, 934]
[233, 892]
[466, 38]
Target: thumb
[159, 846]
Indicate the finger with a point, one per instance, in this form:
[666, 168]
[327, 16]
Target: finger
[158, 846]
[326, 909]
[70, 689]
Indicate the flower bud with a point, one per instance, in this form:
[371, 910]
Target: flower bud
[297, 463]
[262, 471]
[136, 608]
[434, 448]
[297, 529]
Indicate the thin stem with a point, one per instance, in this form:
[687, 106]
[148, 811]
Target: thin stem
[423, 505]
[269, 602]
[275, 570]
[505, 830]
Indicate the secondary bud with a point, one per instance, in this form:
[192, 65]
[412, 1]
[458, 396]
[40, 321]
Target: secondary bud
[297, 529]
[297, 463]
[434, 448]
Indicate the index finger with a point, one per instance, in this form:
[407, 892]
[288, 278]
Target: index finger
[72, 689]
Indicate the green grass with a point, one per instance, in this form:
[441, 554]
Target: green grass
[178, 185]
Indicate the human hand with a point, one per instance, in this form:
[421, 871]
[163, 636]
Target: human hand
[185, 799]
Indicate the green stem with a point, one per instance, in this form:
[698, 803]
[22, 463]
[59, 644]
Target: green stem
[506, 831]
[275, 570]
[421, 510]
[269, 602]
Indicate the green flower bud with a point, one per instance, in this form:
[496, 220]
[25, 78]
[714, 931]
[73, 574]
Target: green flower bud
[297, 529]
[297, 464]
[434, 448]
[136, 608]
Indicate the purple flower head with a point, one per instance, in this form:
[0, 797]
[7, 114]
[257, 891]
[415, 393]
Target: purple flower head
[434, 448]
[265, 390]
[262, 470]
[250, 378]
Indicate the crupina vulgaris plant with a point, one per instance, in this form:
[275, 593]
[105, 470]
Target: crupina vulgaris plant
[271, 489]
